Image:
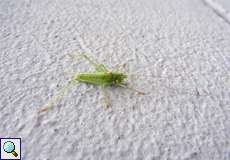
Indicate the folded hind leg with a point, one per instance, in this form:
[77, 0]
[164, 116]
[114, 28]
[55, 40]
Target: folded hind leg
[98, 67]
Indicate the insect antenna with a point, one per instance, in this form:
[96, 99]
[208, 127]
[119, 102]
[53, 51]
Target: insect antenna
[131, 88]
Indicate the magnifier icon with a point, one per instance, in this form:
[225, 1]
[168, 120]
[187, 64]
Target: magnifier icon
[9, 147]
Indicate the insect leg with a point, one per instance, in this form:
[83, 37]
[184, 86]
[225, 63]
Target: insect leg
[98, 67]
[106, 97]
[118, 67]
[58, 96]
[130, 88]
[89, 60]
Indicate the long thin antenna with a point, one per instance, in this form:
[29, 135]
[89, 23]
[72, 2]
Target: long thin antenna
[130, 88]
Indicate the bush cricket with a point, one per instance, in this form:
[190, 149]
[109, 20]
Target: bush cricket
[101, 77]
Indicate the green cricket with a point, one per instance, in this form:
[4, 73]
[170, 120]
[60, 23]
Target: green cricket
[101, 77]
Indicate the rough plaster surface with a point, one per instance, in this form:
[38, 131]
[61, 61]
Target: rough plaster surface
[220, 7]
[178, 51]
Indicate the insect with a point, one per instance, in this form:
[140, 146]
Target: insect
[101, 77]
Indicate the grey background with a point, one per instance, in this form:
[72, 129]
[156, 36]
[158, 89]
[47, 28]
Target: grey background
[177, 51]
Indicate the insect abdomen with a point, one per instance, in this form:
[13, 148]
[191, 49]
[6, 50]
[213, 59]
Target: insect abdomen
[98, 78]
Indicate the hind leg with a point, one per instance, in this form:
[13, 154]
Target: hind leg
[106, 96]
[98, 67]
[57, 96]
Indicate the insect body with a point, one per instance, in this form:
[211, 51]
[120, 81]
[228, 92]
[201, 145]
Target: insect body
[101, 77]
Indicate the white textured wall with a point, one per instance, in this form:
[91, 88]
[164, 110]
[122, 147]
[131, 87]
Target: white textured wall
[184, 116]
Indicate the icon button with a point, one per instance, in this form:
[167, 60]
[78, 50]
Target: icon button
[10, 148]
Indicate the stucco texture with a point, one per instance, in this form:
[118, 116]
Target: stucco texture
[176, 51]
